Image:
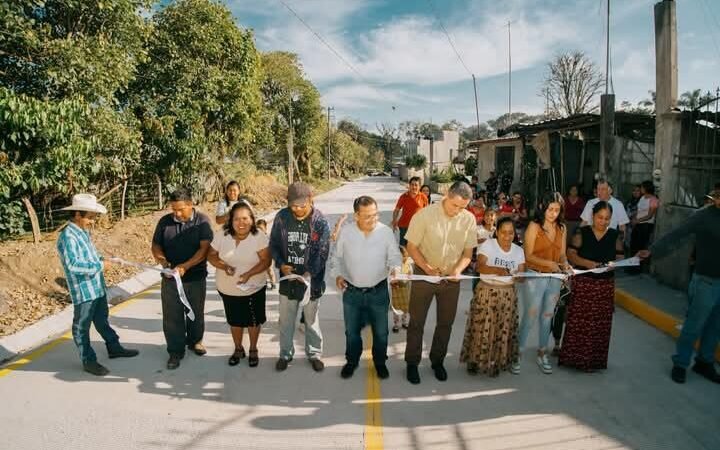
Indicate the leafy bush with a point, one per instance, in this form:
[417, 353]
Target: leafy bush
[416, 162]
[445, 176]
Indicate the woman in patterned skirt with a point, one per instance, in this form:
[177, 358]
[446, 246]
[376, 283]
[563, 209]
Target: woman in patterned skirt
[491, 334]
[589, 313]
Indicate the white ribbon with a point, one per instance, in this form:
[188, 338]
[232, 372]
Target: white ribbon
[305, 281]
[172, 273]
[634, 261]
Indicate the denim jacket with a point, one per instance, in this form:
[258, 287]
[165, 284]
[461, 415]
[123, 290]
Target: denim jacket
[316, 253]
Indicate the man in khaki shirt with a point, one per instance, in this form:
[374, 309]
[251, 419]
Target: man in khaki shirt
[441, 239]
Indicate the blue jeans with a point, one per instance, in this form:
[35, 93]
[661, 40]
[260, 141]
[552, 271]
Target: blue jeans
[402, 232]
[538, 297]
[95, 312]
[371, 308]
[702, 321]
[288, 310]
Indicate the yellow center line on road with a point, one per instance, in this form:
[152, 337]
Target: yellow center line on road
[373, 409]
[35, 354]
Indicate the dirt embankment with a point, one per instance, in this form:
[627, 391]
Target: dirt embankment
[32, 283]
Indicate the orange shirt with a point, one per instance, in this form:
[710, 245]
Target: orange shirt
[546, 249]
[409, 206]
[478, 212]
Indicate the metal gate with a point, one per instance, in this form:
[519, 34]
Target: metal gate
[698, 161]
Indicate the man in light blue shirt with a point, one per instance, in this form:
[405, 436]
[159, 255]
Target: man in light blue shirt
[365, 253]
[83, 268]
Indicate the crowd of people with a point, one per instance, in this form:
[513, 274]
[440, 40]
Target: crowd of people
[523, 267]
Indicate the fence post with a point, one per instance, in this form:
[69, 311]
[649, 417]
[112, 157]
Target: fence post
[33, 219]
[122, 201]
[160, 196]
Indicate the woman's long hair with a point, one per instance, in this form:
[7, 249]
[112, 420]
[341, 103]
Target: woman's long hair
[548, 198]
[241, 204]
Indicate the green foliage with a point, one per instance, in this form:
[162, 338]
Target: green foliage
[443, 176]
[197, 96]
[416, 162]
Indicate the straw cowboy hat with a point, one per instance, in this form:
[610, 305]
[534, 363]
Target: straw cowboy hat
[85, 202]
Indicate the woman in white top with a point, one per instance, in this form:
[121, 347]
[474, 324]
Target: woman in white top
[242, 257]
[232, 195]
[491, 333]
[643, 224]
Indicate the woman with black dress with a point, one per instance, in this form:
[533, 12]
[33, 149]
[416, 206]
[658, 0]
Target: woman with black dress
[589, 314]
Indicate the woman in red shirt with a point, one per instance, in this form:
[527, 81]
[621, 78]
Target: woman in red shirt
[574, 206]
[409, 203]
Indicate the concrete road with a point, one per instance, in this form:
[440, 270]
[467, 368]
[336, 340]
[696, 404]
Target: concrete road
[50, 403]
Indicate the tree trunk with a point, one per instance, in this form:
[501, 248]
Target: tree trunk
[33, 220]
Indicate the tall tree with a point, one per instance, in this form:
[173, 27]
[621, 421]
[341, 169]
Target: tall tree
[694, 99]
[571, 84]
[198, 94]
[292, 100]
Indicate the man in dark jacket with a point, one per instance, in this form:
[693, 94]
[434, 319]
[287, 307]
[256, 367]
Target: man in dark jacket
[299, 243]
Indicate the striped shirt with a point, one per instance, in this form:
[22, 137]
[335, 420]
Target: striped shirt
[82, 264]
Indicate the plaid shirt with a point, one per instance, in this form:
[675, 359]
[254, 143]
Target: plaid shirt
[82, 264]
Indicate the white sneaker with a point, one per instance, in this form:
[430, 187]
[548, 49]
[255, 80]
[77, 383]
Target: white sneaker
[544, 363]
[515, 368]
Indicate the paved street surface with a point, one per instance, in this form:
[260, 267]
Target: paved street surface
[205, 404]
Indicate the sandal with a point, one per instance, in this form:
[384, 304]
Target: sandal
[253, 360]
[237, 355]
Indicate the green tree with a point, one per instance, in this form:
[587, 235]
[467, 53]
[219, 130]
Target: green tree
[198, 94]
[694, 99]
[290, 99]
[63, 65]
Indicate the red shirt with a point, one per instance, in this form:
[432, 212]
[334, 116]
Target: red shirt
[574, 210]
[409, 206]
[478, 212]
[507, 208]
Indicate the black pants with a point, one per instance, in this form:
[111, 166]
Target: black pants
[558, 322]
[179, 330]
[640, 240]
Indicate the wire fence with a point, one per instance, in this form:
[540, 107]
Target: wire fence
[124, 200]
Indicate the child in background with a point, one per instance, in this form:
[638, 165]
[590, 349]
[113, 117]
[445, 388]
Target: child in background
[262, 226]
[401, 294]
[485, 231]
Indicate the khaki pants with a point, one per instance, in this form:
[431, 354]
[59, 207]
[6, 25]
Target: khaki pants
[421, 296]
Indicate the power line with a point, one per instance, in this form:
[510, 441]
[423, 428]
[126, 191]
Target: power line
[447, 35]
[321, 39]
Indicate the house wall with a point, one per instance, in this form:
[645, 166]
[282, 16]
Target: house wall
[486, 156]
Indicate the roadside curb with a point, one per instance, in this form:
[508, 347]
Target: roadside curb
[51, 327]
[659, 319]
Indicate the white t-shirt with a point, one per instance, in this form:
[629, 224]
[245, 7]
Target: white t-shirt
[483, 233]
[242, 257]
[497, 257]
[643, 208]
[223, 207]
[619, 215]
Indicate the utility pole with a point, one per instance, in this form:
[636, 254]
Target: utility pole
[328, 141]
[477, 111]
[509, 71]
[607, 110]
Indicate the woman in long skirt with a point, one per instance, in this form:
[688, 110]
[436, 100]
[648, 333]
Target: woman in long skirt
[590, 311]
[491, 333]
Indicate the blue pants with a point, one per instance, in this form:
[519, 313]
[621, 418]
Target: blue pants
[702, 321]
[402, 232]
[361, 308]
[93, 312]
[538, 297]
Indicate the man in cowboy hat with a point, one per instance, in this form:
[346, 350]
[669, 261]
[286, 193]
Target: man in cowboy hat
[83, 267]
[703, 316]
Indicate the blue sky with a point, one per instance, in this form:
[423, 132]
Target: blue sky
[403, 58]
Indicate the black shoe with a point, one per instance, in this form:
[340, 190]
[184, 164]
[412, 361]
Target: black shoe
[413, 376]
[707, 370]
[317, 365]
[396, 328]
[348, 370]
[440, 372]
[174, 362]
[473, 369]
[281, 364]
[95, 368]
[678, 374]
[382, 371]
[123, 353]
